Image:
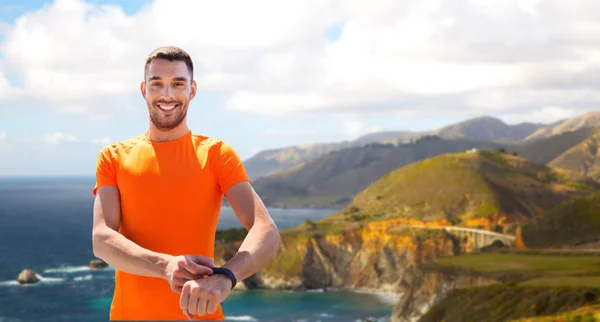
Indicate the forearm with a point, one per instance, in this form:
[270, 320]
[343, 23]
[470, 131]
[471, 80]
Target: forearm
[256, 250]
[125, 255]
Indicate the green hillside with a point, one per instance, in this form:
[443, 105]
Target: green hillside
[462, 186]
[332, 180]
[530, 286]
[571, 223]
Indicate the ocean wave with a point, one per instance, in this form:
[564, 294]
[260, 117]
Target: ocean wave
[8, 283]
[83, 278]
[240, 318]
[386, 297]
[326, 315]
[43, 279]
[381, 319]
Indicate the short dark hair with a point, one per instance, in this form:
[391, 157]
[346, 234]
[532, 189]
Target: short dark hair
[170, 53]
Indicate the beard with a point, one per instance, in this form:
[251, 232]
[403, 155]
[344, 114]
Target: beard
[165, 122]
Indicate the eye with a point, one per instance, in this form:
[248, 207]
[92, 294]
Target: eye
[179, 84]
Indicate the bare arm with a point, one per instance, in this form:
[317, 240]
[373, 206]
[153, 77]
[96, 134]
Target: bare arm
[114, 248]
[263, 237]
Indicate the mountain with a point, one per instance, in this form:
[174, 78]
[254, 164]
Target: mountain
[369, 246]
[583, 158]
[273, 160]
[487, 128]
[590, 119]
[476, 129]
[461, 186]
[333, 179]
[545, 150]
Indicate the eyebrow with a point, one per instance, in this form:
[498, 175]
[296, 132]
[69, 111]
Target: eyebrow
[175, 79]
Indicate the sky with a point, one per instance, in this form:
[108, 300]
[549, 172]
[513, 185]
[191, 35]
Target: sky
[275, 73]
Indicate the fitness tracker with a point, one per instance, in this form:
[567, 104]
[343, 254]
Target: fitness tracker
[227, 272]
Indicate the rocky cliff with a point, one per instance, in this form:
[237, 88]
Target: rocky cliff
[375, 257]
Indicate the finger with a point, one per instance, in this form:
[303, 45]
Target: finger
[196, 268]
[211, 307]
[193, 305]
[182, 272]
[184, 298]
[204, 261]
[180, 281]
[202, 303]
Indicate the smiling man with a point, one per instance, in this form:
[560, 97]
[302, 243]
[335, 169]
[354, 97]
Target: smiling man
[157, 202]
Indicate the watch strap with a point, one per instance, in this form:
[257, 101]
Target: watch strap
[227, 272]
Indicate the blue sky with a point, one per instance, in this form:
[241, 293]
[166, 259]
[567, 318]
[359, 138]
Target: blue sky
[303, 72]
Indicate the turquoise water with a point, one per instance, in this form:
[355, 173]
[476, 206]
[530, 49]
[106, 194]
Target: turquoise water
[78, 294]
[45, 225]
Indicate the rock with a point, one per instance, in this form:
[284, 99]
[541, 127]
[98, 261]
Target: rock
[98, 264]
[28, 276]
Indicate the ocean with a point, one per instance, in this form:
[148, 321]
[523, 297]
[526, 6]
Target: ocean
[45, 225]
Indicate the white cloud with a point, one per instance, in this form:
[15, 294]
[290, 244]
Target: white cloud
[352, 126]
[102, 141]
[547, 114]
[57, 137]
[3, 136]
[500, 56]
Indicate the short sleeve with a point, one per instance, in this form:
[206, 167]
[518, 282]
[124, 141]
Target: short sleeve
[106, 174]
[230, 168]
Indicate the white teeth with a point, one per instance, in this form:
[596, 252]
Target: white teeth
[167, 107]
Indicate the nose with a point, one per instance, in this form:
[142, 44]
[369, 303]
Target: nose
[166, 91]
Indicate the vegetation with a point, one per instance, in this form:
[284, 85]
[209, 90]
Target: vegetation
[532, 285]
[528, 267]
[463, 186]
[231, 234]
[588, 313]
[572, 223]
[499, 303]
[547, 149]
[341, 173]
[333, 179]
[582, 158]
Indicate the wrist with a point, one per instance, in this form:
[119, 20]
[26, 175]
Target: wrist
[226, 273]
[163, 263]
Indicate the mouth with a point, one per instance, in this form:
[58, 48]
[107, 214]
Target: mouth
[167, 107]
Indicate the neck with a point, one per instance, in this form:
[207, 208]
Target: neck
[154, 134]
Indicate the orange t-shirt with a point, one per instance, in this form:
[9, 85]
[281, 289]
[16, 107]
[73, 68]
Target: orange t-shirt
[171, 196]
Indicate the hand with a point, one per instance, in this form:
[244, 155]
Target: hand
[203, 295]
[184, 268]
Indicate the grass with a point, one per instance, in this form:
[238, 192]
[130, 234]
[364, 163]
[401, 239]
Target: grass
[572, 281]
[500, 303]
[588, 313]
[555, 265]
[464, 186]
[570, 223]
[534, 287]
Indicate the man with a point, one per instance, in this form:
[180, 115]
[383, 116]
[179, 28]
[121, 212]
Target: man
[157, 203]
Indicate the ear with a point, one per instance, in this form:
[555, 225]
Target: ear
[143, 88]
[193, 90]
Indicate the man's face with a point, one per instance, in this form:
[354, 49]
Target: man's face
[168, 91]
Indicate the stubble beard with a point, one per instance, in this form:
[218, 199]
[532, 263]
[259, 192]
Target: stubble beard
[169, 122]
